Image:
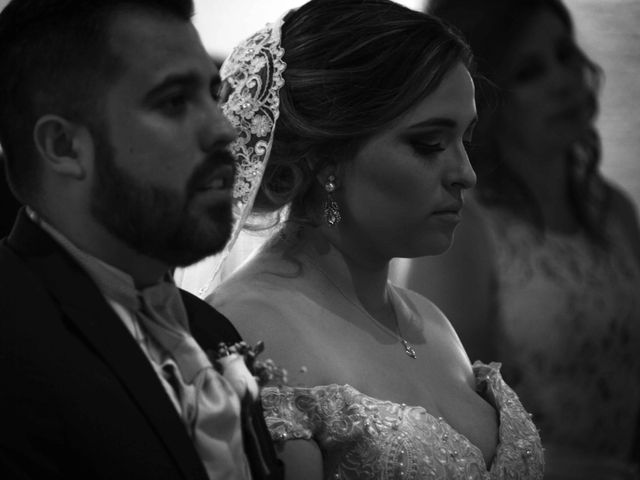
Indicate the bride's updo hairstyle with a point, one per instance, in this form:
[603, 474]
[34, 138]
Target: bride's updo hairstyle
[352, 68]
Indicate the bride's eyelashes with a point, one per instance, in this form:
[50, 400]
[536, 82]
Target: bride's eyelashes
[427, 148]
[426, 144]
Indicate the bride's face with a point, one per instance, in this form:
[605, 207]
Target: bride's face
[401, 195]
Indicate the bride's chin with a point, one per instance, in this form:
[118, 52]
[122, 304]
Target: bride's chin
[430, 249]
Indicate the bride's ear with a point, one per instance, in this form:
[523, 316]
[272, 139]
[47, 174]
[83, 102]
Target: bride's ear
[330, 173]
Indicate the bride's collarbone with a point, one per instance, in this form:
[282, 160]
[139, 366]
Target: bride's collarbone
[390, 374]
[382, 369]
[439, 380]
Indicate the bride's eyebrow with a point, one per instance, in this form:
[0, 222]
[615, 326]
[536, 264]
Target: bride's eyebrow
[442, 122]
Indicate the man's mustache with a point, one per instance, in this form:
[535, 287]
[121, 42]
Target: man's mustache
[203, 172]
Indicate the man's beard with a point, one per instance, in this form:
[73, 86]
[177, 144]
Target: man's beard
[156, 222]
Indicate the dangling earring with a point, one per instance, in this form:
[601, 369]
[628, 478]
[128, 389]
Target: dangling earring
[331, 207]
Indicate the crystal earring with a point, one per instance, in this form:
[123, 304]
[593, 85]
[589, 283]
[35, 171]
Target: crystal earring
[331, 207]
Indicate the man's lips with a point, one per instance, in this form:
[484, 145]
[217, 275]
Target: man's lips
[214, 174]
[221, 178]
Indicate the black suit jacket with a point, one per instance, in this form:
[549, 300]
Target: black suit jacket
[78, 397]
[8, 203]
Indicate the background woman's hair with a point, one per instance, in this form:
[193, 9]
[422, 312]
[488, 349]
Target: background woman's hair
[353, 67]
[492, 28]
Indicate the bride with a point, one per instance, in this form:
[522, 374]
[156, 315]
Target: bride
[353, 120]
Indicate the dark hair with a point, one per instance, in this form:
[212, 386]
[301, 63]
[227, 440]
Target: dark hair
[353, 67]
[55, 58]
[492, 28]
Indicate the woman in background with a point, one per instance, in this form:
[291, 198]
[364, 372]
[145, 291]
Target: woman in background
[544, 273]
[364, 108]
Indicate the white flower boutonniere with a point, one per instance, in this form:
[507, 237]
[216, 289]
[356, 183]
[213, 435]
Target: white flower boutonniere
[238, 364]
[235, 362]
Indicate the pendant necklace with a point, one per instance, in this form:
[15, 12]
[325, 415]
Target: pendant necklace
[409, 349]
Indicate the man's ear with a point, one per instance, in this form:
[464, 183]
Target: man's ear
[65, 146]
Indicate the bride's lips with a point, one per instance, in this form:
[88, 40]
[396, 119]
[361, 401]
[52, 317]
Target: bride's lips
[450, 213]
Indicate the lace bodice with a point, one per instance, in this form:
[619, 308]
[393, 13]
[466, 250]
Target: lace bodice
[365, 438]
[569, 330]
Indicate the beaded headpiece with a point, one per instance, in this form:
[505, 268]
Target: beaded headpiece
[253, 72]
[252, 78]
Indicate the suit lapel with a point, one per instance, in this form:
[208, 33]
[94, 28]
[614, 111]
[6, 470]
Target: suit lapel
[100, 327]
[209, 328]
[207, 325]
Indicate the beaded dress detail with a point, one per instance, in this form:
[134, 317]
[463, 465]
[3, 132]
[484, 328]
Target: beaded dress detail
[365, 438]
[361, 437]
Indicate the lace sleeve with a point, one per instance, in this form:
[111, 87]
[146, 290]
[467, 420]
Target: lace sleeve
[289, 412]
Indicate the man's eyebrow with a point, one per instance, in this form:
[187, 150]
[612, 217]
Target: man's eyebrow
[183, 79]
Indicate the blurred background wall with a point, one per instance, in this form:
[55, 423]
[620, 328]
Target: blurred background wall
[607, 29]
[223, 23]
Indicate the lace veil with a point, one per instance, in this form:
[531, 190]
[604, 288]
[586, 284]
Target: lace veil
[252, 78]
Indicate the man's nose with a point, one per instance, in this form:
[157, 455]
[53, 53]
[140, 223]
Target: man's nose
[216, 132]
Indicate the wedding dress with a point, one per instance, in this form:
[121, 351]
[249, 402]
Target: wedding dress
[367, 438]
[362, 437]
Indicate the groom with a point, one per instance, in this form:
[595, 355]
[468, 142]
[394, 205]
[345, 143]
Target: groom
[116, 146]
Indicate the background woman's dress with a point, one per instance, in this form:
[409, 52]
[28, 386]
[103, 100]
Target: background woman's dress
[574, 358]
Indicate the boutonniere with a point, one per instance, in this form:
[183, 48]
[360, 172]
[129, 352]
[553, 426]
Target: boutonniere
[239, 365]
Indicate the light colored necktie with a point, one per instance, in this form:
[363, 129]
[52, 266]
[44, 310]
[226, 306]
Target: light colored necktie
[210, 407]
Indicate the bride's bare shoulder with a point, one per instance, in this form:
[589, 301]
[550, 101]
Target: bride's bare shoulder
[253, 304]
[263, 308]
[428, 313]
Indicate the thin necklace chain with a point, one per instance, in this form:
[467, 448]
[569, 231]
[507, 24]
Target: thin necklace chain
[409, 349]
